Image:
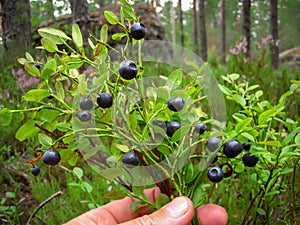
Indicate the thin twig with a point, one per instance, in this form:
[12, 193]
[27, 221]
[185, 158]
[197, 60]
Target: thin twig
[42, 204]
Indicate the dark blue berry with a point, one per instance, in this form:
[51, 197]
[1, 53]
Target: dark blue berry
[213, 144]
[51, 157]
[176, 104]
[86, 104]
[138, 31]
[215, 174]
[84, 116]
[130, 159]
[232, 148]
[247, 146]
[35, 170]
[250, 160]
[200, 128]
[172, 127]
[128, 69]
[105, 100]
[160, 123]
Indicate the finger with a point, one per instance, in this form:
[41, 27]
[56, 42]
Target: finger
[113, 213]
[178, 212]
[212, 214]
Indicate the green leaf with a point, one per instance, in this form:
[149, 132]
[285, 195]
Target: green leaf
[100, 49]
[111, 17]
[233, 76]
[138, 190]
[290, 137]
[55, 35]
[297, 139]
[87, 186]
[239, 99]
[127, 12]
[5, 117]
[123, 148]
[78, 172]
[26, 131]
[252, 87]
[73, 159]
[261, 211]
[248, 136]
[118, 36]
[242, 124]
[225, 90]
[60, 92]
[49, 68]
[29, 57]
[239, 168]
[35, 95]
[104, 34]
[115, 195]
[263, 117]
[32, 70]
[189, 173]
[161, 200]
[175, 79]
[10, 195]
[270, 143]
[77, 36]
[48, 115]
[49, 45]
[45, 140]
[111, 173]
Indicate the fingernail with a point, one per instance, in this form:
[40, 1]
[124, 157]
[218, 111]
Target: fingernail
[177, 207]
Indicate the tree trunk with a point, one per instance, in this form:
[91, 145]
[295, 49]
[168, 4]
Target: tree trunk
[50, 8]
[101, 3]
[16, 24]
[180, 23]
[274, 31]
[203, 40]
[195, 27]
[172, 21]
[247, 26]
[223, 32]
[81, 16]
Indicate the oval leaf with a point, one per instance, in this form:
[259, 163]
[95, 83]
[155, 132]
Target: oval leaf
[32, 70]
[35, 95]
[5, 117]
[76, 35]
[49, 45]
[111, 17]
[26, 131]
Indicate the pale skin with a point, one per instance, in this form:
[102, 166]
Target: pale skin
[178, 212]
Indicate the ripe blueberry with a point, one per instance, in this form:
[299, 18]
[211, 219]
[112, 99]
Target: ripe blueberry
[176, 104]
[86, 104]
[128, 69]
[131, 159]
[228, 169]
[172, 127]
[232, 148]
[84, 116]
[200, 128]
[215, 174]
[160, 123]
[138, 31]
[213, 143]
[249, 160]
[35, 170]
[105, 100]
[247, 146]
[51, 157]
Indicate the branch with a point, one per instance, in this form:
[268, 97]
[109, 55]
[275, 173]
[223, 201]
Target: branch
[42, 204]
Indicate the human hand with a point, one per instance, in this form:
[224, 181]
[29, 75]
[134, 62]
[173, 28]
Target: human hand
[178, 212]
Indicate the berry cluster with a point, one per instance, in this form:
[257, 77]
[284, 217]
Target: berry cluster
[50, 157]
[231, 149]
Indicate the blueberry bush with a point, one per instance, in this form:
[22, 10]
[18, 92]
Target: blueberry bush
[98, 104]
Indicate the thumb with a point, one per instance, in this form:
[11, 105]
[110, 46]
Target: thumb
[178, 212]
